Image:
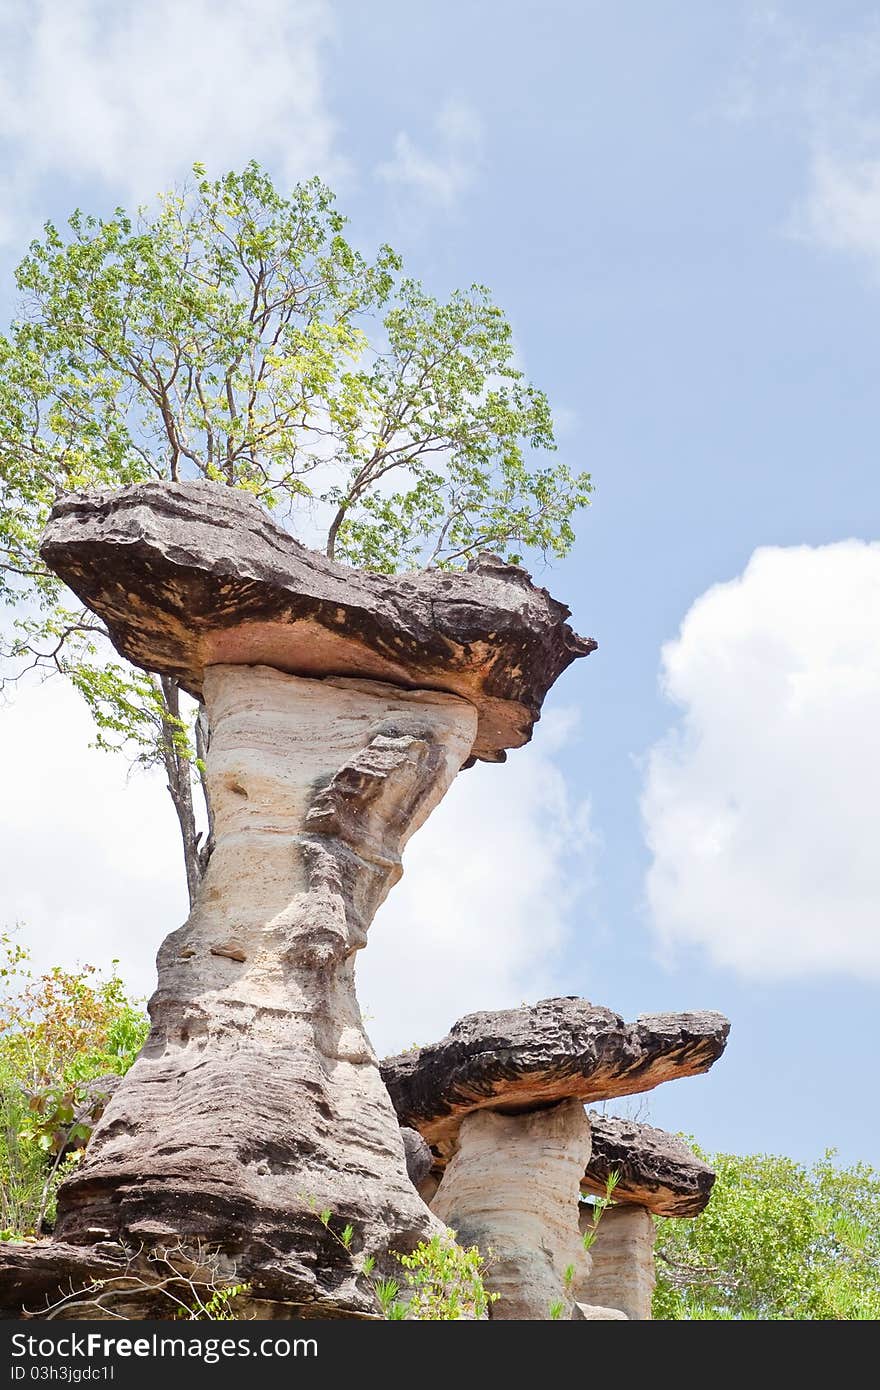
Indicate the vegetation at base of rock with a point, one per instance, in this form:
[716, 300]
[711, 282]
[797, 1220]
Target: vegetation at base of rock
[778, 1241]
[233, 334]
[441, 1281]
[59, 1031]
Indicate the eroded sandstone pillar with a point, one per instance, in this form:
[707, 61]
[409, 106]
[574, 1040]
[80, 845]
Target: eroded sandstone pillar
[510, 1189]
[316, 787]
[622, 1273]
[256, 1104]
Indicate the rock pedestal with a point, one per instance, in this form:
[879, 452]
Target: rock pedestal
[508, 1190]
[622, 1273]
[316, 787]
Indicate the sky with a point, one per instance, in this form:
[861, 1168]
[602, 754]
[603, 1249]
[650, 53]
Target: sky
[678, 206]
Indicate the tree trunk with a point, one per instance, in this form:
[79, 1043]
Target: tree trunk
[179, 772]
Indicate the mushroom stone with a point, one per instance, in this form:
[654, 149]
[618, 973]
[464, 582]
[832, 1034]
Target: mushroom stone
[558, 1049]
[341, 707]
[500, 1100]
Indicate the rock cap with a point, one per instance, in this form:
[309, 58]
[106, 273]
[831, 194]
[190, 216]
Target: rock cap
[559, 1049]
[187, 575]
[655, 1169]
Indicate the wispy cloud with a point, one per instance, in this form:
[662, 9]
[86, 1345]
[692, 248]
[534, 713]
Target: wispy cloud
[129, 95]
[441, 175]
[825, 89]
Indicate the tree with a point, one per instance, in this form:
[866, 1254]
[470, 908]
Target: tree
[778, 1241]
[235, 335]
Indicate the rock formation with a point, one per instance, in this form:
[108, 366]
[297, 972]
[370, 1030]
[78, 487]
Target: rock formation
[191, 575]
[500, 1101]
[657, 1174]
[341, 707]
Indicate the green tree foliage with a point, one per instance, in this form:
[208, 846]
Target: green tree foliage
[778, 1241]
[235, 335]
[59, 1032]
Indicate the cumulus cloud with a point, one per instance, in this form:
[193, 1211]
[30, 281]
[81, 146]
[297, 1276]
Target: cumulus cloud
[760, 807]
[440, 177]
[90, 863]
[130, 95]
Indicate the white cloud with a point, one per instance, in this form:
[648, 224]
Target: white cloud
[129, 95]
[90, 862]
[484, 909]
[761, 807]
[89, 858]
[441, 177]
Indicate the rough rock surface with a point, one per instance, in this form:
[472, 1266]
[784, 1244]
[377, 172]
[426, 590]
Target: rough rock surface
[190, 575]
[419, 1159]
[257, 1102]
[512, 1189]
[520, 1059]
[622, 1273]
[655, 1169]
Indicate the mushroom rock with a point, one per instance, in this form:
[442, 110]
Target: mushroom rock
[341, 707]
[501, 1102]
[508, 1189]
[656, 1173]
[558, 1049]
[622, 1270]
[654, 1169]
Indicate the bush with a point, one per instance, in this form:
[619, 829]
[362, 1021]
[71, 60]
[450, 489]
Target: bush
[59, 1032]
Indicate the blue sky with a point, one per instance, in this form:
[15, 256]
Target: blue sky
[679, 208]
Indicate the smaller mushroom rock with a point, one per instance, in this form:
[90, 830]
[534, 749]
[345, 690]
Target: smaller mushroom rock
[418, 1156]
[559, 1049]
[654, 1169]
